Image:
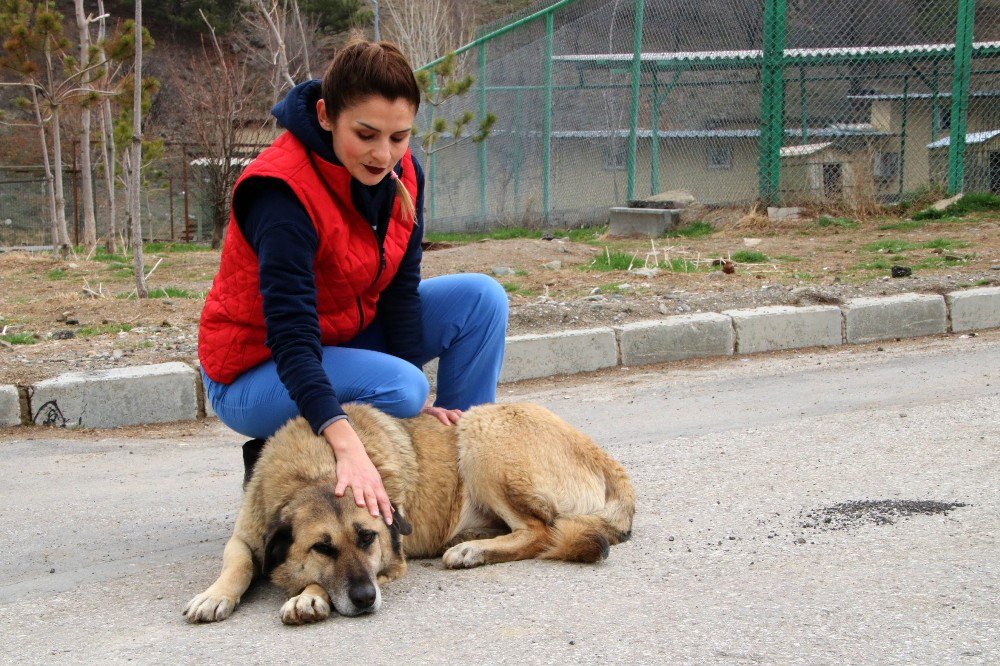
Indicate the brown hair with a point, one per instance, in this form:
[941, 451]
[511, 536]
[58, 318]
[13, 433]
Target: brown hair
[364, 69]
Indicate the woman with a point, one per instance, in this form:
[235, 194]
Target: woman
[319, 300]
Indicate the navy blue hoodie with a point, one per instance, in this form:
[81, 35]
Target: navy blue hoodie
[278, 229]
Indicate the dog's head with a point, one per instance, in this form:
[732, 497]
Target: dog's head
[328, 540]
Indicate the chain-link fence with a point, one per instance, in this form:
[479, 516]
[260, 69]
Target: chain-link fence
[846, 103]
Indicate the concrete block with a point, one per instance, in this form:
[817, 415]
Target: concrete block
[120, 397]
[792, 214]
[10, 406]
[530, 356]
[676, 338]
[899, 316]
[786, 327]
[974, 309]
[642, 221]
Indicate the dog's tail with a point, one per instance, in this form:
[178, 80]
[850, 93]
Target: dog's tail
[588, 538]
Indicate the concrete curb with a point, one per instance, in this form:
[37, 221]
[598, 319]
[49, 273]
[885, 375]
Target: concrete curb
[174, 392]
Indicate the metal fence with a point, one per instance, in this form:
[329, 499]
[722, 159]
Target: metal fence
[175, 202]
[846, 103]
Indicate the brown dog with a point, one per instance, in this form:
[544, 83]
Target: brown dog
[509, 482]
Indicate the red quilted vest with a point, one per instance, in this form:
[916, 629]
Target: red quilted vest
[349, 273]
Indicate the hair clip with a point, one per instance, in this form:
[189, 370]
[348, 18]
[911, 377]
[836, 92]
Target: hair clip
[393, 175]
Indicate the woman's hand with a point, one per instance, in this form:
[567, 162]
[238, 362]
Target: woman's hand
[356, 471]
[445, 416]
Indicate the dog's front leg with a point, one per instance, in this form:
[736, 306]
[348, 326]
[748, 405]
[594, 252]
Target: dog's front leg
[220, 600]
[310, 605]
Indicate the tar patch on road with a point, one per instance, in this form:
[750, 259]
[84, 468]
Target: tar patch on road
[850, 515]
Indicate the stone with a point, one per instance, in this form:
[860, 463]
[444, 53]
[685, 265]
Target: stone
[10, 406]
[786, 327]
[899, 316]
[111, 398]
[973, 309]
[649, 222]
[675, 338]
[583, 350]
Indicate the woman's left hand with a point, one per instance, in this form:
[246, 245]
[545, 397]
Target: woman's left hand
[445, 416]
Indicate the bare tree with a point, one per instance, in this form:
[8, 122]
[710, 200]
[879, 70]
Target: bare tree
[221, 105]
[136, 161]
[106, 123]
[281, 25]
[426, 29]
[86, 172]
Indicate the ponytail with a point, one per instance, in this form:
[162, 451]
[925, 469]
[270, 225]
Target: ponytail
[404, 195]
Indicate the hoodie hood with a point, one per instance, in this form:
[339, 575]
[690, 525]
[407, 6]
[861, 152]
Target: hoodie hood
[297, 114]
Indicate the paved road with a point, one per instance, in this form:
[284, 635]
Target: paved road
[795, 508]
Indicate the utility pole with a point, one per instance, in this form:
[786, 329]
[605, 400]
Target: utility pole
[378, 38]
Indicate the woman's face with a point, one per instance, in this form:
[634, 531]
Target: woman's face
[370, 137]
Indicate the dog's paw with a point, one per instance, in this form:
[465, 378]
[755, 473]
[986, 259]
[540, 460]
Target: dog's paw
[464, 556]
[305, 608]
[208, 607]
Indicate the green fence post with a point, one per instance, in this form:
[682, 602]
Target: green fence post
[772, 101]
[960, 95]
[636, 76]
[432, 167]
[803, 105]
[547, 124]
[902, 134]
[654, 139]
[481, 147]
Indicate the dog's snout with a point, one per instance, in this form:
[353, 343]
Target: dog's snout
[363, 595]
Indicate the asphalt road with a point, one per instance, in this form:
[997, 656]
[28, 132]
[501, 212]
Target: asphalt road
[793, 508]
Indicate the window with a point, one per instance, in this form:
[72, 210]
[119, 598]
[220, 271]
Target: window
[943, 119]
[615, 157]
[885, 166]
[720, 157]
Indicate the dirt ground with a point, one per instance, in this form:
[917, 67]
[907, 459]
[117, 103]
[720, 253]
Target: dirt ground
[77, 314]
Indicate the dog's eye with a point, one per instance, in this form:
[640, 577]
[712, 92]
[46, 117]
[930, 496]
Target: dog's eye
[366, 538]
[326, 549]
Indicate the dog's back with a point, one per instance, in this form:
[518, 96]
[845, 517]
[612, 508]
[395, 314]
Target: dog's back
[561, 495]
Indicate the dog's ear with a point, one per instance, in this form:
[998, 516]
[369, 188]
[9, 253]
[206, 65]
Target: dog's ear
[400, 522]
[277, 541]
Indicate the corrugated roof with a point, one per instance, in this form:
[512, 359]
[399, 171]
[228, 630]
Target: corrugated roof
[756, 54]
[832, 131]
[806, 149]
[922, 95]
[970, 139]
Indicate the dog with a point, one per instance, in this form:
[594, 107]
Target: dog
[508, 482]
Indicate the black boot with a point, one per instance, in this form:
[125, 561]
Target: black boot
[251, 451]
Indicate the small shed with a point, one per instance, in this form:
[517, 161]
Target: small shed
[982, 161]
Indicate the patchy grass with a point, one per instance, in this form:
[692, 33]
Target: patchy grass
[983, 282]
[103, 329]
[908, 225]
[681, 266]
[57, 274]
[941, 261]
[614, 261]
[579, 235]
[944, 244]
[19, 338]
[749, 257]
[695, 229]
[897, 245]
[174, 292]
[880, 264]
[165, 247]
[893, 245]
[787, 258]
[838, 222]
[974, 202]
[516, 289]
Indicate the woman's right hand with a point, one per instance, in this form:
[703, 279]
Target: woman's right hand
[356, 471]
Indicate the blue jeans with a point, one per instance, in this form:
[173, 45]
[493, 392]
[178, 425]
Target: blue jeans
[464, 324]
